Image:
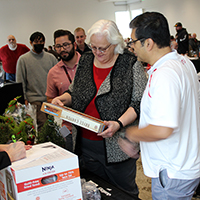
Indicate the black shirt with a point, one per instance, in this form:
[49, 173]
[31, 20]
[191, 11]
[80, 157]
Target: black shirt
[85, 50]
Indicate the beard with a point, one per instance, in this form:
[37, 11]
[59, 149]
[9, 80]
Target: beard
[12, 46]
[70, 54]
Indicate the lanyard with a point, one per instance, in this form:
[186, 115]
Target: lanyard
[70, 80]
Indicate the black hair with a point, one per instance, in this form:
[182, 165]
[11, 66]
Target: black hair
[37, 36]
[62, 32]
[152, 25]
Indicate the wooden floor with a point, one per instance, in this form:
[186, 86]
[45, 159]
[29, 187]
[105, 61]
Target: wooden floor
[143, 182]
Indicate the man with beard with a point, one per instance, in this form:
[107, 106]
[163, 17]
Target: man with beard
[32, 70]
[61, 75]
[9, 55]
[182, 38]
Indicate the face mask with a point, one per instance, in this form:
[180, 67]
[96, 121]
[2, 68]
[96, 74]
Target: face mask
[38, 47]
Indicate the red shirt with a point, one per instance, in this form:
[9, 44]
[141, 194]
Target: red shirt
[99, 75]
[9, 58]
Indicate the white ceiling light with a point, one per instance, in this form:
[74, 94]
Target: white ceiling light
[121, 1]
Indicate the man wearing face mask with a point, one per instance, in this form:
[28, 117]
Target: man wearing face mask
[9, 55]
[32, 70]
[61, 75]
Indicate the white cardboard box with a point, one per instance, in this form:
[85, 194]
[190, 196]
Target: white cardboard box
[74, 117]
[49, 172]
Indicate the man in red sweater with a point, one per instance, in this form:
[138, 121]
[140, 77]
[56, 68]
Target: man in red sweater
[9, 55]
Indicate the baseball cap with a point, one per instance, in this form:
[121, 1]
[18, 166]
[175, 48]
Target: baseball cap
[178, 24]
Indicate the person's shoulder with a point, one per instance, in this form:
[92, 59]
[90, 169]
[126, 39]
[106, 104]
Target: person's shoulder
[4, 47]
[26, 55]
[22, 46]
[56, 67]
[48, 54]
[87, 55]
[128, 55]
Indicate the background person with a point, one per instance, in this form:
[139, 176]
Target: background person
[32, 70]
[50, 50]
[182, 38]
[9, 55]
[194, 45]
[108, 85]
[80, 37]
[174, 45]
[62, 74]
[169, 123]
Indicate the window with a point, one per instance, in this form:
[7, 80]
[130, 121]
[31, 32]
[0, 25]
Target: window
[135, 13]
[123, 19]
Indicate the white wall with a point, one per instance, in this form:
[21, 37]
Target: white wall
[23, 17]
[185, 11]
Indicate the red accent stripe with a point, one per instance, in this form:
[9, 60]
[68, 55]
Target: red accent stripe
[150, 83]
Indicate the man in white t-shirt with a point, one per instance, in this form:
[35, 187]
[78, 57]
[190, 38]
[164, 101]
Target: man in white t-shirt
[169, 128]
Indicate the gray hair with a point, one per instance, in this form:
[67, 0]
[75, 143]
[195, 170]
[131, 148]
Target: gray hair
[110, 30]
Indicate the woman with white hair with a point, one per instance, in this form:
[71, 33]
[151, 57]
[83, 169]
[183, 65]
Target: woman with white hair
[108, 85]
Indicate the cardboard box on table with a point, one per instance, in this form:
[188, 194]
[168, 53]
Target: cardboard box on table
[48, 172]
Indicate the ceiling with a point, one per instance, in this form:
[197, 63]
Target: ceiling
[124, 1]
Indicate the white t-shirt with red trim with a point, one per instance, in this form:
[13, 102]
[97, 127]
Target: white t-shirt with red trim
[171, 99]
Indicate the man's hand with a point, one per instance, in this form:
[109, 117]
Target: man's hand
[129, 148]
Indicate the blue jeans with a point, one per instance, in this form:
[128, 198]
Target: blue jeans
[166, 188]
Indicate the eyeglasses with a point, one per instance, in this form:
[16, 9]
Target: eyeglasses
[64, 45]
[134, 41]
[102, 50]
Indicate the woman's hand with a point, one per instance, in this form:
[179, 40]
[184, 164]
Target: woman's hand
[57, 101]
[112, 127]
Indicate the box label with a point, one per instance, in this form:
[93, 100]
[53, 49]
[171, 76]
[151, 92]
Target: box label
[39, 182]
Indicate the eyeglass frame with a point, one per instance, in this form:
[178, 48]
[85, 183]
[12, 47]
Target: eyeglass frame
[134, 41]
[102, 50]
[63, 46]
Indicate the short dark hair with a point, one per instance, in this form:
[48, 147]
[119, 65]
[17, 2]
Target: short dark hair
[36, 36]
[62, 32]
[152, 25]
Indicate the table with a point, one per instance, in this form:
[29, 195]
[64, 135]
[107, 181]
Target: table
[116, 193]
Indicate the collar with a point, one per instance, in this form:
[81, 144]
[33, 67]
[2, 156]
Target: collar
[12, 49]
[37, 53]
[169, 56]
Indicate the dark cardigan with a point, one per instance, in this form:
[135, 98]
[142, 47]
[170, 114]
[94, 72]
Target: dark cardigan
[122, 88]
